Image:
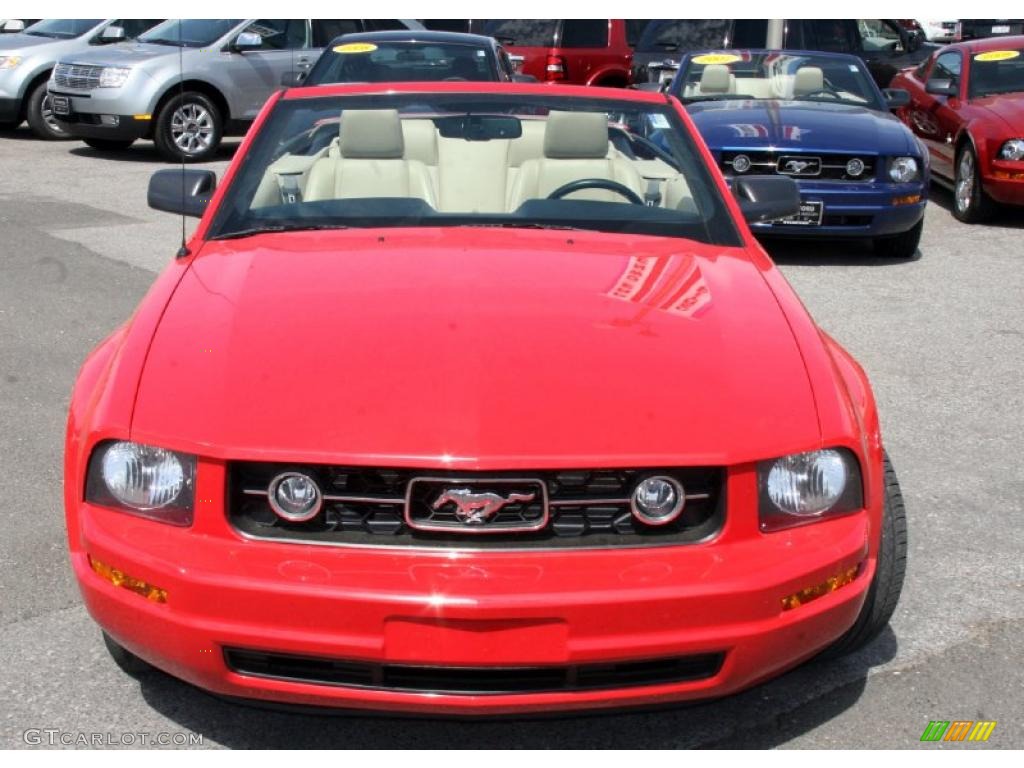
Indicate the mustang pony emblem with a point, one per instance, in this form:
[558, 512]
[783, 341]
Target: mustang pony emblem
[798, 167]
[477, 508]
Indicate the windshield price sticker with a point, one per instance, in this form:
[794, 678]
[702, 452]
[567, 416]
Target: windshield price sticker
[355, 48]
[997, 55]
[716, 58]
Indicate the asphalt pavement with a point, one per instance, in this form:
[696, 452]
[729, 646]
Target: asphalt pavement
[941, 336]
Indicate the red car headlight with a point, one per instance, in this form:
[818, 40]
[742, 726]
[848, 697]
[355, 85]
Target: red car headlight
[1012, 150]
[806, 487]
[142, 479]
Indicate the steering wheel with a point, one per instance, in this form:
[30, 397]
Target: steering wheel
[822, 92]
[607, 184]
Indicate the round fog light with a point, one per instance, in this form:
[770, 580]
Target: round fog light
[658, 500]
[855, 167]
[741, 164]
[294, 497]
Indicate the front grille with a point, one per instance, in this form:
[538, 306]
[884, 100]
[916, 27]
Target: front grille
[79, 77]
[368, 506]
[472, 680]
[829, 166]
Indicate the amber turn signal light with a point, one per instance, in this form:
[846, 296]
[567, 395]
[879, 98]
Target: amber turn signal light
[809, 594]
[122, 579]
[906, 200]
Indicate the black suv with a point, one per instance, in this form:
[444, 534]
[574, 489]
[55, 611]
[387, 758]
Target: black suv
[883, 44]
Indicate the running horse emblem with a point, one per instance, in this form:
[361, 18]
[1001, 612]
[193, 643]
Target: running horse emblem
[477, 508]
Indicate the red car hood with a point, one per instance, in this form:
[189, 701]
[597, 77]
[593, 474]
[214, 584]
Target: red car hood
[475, 348]
[1009, 107]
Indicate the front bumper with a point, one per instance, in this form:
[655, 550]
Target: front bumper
[464, 608]
[1004, 182]
[10, 110]
[93, 111]
[864, 210]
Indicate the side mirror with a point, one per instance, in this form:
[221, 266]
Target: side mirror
[764, 198]
[914, 40]
[293, 79]
[113, 34]
[247, 41]
[942, 88]
[14, 25]
[895, 98]
[183, 191]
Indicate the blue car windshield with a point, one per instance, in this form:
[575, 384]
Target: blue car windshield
[402, 61]
[775, 75]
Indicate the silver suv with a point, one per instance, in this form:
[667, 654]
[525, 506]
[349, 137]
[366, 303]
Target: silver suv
[188, 82]
[26, 59]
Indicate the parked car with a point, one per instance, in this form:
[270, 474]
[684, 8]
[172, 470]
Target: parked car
[967, 106]
[976, 29]
[409, 56]
[936, 31]
[423, 505]
[27, 59]
[820, 119]
[580, 51]
[188, 82]
[883, 44]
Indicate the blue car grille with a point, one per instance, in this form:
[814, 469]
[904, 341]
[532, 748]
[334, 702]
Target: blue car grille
[802, 165]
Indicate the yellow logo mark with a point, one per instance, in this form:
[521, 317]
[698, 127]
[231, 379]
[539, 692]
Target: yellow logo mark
[997, 55]
[716, 58]
[355, 48]
[982, 730]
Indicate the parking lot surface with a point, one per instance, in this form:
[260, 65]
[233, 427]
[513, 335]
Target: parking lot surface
[941, 336]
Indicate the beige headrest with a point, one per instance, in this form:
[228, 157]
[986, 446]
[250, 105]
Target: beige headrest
[714, 79]
[371, 134]
[571, 135]
[808, 80]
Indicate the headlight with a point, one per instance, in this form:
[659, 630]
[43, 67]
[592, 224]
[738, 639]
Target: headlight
[143, 479]
[114, 77]
[9, 62]
[804, 487]
[1012, 150]
[903, 169]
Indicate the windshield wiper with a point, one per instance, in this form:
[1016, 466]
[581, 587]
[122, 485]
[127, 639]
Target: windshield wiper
[276, 228]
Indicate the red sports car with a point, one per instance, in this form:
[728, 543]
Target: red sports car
[967, 106]
[471, 399]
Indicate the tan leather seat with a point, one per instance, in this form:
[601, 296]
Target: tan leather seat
[575, 147]
[808, 80]
[369, 162]
[715, 79]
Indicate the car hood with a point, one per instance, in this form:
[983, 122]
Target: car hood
[798, 125]
[124, 54]
[1007, 108]
[15, 43]
[477, 348]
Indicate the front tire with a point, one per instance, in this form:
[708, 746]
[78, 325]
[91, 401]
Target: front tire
[189, 127]
[891, 568]
[125, 659]
[109, 145]
[40, 116]
[970, 203]
[901, 246]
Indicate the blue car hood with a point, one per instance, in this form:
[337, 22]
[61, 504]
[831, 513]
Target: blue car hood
[799, 126]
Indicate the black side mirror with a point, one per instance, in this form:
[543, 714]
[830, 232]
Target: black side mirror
[765, 198]
[895, 98]
[942, 87]
[293, 79]
[184, 191]
[914, 40]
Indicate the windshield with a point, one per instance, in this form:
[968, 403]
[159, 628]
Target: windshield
[62, 29]
[189, 33]
[389, 62]
[772, 75]
[996, 72]
[458, 159]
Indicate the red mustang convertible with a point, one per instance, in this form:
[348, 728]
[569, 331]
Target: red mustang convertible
[471, 399]
[967, 106]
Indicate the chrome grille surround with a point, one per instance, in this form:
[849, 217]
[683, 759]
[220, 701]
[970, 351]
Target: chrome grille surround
[78, 77]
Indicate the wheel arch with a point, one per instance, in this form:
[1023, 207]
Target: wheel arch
[610, 77]
[30, 85]
[201, 86]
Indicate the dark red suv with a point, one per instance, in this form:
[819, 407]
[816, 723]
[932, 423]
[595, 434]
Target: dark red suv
[579, 51]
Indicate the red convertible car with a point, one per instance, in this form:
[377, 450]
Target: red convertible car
[967, 106]
[469, 399]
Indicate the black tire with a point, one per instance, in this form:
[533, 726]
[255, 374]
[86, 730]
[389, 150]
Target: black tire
[40, 116]
[209, 128]
[887, 585]
[901, 246]
[970, 204]
[109, 145]
[125, 659]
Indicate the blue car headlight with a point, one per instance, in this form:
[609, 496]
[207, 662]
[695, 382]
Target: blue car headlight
[904, 169]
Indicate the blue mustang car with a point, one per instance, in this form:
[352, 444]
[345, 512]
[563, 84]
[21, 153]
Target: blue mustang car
[820, 119]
